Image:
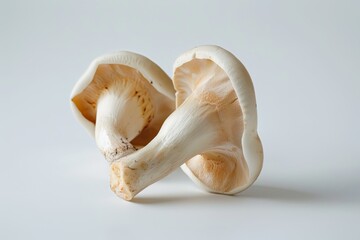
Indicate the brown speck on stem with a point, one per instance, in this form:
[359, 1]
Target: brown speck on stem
[144, 166]
[234, 100]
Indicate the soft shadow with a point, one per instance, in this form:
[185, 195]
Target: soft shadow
[170, 199]
[279, 194]
[265, 193]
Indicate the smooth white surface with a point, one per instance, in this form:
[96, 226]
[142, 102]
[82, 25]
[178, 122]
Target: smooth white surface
[303, 57]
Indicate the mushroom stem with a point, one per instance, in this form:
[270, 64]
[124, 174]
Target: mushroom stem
[118, 121]
[183, 135]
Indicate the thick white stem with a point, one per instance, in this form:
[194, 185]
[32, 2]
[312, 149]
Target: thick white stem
[188, 131]
[118, 120]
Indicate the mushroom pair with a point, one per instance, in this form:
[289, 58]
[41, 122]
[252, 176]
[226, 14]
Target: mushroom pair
[127, 102]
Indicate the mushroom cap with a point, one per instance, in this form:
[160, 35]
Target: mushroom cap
[242, 84]
[135, 63]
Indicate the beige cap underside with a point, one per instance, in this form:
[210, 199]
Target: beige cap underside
[227, 171]
[129, 69]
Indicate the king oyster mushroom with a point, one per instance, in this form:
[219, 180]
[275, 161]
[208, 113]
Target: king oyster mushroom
[122, 99]
[212, 133]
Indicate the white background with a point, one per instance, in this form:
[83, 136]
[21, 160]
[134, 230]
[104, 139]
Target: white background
[304, 59]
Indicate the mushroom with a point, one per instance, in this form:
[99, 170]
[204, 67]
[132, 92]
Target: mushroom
[122, 99]
[212, 133]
